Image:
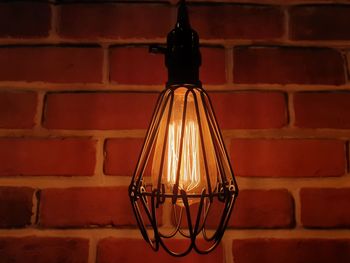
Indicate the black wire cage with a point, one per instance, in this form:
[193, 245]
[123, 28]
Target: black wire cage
[184, 169]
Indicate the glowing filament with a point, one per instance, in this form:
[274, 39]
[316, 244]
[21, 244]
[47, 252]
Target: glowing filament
[184, 155]
[189, 174]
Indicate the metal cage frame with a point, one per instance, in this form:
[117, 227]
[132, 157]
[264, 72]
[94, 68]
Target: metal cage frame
[147, 199]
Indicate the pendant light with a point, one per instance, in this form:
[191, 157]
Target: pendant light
[183, 172]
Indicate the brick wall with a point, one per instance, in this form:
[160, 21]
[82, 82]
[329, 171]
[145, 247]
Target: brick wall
[77, 89]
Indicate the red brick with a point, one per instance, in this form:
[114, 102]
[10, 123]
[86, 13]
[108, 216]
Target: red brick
[325, 207]
[287, 65]
[25, 20]
[15, 206]
[17, 109]
[321, 22]
[250, 110]
[112, 250]
[258, 209]
[31, 156]
[291, 250]
[122, 155]
[135, 65]
[322, 110]
[91, 21]
[213, 69]
[99, 111]
[237, 21]
[51, 64]
[83, 207]
[33, 249]
[288, 157]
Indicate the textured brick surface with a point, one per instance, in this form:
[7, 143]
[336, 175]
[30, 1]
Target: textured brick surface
[135, 65]
[115, 21]
[83, 207]
[249, 110]
[291, 250]
[122, 156]
[77, 90]
[254, 209]
[322, 110]
[51, 64]
[263, 209]
[287, 65]
[288, 158]
[237, 21]
[29, 156]
[99, 111]
[34, 249]
[213, 68]
[15, 206]
[24, 20]
[325, 207]
[17, 109]
[320, 22]
[112, 250]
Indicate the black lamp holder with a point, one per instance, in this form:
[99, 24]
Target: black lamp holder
[182, 55]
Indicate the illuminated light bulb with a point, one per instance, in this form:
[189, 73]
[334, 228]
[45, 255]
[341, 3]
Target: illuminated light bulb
[183, 172]
[190, 169]
[183, 148]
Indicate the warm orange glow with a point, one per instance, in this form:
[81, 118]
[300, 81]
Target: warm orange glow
[192, 171]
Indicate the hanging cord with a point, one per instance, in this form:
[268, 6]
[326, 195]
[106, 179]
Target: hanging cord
[183, 20]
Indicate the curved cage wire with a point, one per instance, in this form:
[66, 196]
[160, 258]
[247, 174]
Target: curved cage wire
[199, 208]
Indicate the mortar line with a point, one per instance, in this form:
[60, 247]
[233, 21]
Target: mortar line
[283, 133]
[231, 234]
[297, 207]
[40, 107]
[35, 208]
[114, 87]
[92, 250]
[99, 165]
[292, 184]
[54, 39]
[227, 250]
